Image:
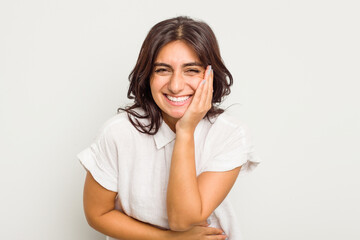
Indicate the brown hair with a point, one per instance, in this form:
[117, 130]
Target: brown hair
[197, 35]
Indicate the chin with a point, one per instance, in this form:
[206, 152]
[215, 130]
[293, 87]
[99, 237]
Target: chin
[176, 114]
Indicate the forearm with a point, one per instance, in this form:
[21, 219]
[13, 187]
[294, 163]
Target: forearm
[118, 225]
[183, 196]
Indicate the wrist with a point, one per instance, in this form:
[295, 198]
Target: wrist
[171, 235]
[185, 133]
[185, 128]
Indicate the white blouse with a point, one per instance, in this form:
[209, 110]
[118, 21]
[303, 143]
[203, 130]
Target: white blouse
[137, 165]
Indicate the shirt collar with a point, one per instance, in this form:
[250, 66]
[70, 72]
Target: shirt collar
[164, 136]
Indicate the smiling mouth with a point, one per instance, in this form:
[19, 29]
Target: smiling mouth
[177, 99]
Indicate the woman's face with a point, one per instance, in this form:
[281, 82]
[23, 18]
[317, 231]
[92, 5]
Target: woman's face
[177, 72]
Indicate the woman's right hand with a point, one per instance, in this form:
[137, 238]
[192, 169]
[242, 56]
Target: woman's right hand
[199, 233]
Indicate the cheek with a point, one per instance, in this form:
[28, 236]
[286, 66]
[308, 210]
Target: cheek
[194, 82]
[158, 84]
[155, 84]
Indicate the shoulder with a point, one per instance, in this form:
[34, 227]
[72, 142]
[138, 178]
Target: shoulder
[226, 125]
[118, 121]
[225, 133]
[119, 127]
[228, 144]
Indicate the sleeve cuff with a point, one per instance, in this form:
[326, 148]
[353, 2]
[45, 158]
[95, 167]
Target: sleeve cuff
[87, 160]
[229, 161]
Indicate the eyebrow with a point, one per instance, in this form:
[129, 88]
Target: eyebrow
[190, 64]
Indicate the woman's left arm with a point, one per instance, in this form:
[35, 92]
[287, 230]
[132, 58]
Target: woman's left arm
[191, 199]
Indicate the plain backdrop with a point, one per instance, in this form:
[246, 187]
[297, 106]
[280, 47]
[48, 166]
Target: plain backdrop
[63, 73]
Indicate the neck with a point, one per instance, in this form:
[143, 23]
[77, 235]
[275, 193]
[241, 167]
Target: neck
[171, 123]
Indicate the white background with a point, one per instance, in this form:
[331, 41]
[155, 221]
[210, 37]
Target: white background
[63, 73]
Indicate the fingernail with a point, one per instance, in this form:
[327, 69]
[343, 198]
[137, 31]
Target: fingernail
[203, 81]
[208, 221]
[209, 70]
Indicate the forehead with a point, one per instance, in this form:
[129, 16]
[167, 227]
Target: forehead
[177, 52]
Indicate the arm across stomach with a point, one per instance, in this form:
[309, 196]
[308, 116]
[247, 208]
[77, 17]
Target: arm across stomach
[99, 210]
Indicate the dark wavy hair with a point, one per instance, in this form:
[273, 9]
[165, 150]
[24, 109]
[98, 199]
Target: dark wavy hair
[196, 34]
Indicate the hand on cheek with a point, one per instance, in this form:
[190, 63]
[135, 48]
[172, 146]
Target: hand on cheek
[200, 105]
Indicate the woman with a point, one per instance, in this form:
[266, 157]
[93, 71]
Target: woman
[162, 168]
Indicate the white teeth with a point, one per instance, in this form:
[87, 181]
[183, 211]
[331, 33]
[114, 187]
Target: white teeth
[177, 99]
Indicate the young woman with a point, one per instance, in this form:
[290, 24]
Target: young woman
[162, 168]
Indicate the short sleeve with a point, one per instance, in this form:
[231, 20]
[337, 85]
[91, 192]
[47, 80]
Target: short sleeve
[230, 146]
[100, 159]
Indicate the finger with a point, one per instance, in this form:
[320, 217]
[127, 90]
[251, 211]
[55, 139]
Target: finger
[217, 237]
[213, 231]
[198, 93]
[206, 83]
[206, 101]
[201, 89]
[210, 89]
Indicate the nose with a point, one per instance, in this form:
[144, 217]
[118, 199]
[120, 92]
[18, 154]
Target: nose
[176, 83]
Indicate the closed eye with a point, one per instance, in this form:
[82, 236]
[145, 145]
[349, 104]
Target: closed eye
[193, 70]
[159, 70]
